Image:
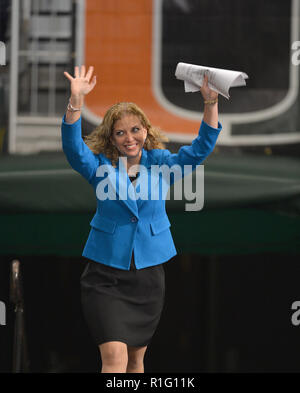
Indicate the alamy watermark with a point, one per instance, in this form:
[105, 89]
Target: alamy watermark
[2, 53]
[153, 185]
[296, 55]
[2, 313]
[296, 315]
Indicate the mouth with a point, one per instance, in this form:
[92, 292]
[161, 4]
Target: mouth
[132, 146]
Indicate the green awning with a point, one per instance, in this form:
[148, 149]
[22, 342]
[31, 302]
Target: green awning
[251, 205]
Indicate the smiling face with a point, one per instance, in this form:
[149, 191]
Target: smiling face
[128, 136]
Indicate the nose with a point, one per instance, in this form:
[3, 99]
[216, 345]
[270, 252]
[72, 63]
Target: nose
[129, 139]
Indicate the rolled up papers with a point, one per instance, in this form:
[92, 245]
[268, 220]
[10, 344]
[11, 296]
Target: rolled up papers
[219, 80]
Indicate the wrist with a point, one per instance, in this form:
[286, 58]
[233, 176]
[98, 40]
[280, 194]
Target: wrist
[209, 102]
[76, 101]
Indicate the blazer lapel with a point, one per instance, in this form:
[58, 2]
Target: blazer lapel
[146, 179]
[123, 187]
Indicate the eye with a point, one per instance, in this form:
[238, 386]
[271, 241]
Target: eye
[119, 133]
[136, 129]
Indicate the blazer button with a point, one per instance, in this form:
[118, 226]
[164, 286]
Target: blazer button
[133, 219]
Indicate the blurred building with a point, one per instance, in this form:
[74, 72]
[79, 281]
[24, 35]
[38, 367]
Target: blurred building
[135, 47]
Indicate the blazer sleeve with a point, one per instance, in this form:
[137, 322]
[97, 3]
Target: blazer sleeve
[78, 154]
[195, 153]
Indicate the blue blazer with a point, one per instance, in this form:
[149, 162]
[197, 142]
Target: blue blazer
[121, 226]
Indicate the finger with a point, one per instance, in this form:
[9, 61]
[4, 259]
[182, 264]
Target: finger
[82, 71]
[67, 75]
[76, 72]
[93, 82]
[89, 73]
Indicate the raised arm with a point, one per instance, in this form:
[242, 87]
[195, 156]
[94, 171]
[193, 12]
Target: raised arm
[78, 154]
[204, 144]
[81, 85]
[210, 97]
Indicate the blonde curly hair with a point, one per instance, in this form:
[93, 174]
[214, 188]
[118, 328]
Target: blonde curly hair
[99, 139]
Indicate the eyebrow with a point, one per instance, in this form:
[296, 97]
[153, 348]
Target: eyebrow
[119, 129]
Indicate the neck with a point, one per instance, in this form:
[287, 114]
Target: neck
[132, 161]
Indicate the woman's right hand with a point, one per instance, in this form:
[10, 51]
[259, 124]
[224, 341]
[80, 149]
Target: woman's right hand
[81, 84]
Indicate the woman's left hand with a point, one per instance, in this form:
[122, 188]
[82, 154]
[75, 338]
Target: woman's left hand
[206, 92]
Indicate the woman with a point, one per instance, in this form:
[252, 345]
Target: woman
[123, 284]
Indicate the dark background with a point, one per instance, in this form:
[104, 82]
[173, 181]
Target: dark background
[251, 36]
[222, 314]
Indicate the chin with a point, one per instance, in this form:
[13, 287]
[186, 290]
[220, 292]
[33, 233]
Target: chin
[133, 154]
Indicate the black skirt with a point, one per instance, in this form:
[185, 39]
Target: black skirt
[122, 305]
